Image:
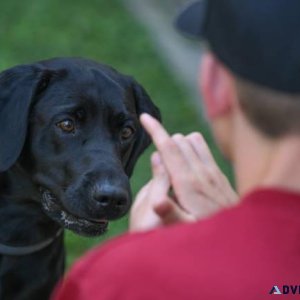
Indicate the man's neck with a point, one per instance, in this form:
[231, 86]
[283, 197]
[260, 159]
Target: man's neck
[284, 170]
[259, 161]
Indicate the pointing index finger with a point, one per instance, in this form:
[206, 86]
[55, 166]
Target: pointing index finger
[155, 129]
[172, 156]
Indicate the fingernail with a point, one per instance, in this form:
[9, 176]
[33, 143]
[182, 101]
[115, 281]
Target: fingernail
[145, 117]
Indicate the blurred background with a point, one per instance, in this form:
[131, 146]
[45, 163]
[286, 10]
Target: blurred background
[134, 36]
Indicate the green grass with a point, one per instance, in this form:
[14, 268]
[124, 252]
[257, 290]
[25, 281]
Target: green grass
[102, 30]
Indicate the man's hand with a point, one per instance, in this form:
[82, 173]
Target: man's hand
[187, 184]
[153, 206]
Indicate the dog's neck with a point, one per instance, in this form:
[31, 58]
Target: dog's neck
[21, 217]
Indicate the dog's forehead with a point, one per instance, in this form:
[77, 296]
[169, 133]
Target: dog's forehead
[92, 85]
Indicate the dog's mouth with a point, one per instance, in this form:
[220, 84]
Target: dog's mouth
[54, 209]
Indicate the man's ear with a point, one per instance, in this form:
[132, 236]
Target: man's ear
[217, 86]
[18, 89]
[143, 104]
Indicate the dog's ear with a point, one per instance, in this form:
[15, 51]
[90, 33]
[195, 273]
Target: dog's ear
[143, 104]
[18, 88]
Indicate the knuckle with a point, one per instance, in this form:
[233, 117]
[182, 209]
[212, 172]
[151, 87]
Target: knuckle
[214, 173]
[194, 183]
[179, 180]
[209, 177]
[165, 199]
[169, 144]
[160, 199]
[222, 179]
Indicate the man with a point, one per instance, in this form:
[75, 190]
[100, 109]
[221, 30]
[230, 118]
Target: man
[224, 248]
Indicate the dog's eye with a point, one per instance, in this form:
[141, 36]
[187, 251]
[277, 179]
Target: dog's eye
[66, 126]
[127, 133]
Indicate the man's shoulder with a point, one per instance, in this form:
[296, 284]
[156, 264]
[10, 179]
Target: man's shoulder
[235, 226]
[240, 245]
[229, 226]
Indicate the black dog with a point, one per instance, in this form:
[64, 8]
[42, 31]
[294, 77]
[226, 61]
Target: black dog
[69, 139]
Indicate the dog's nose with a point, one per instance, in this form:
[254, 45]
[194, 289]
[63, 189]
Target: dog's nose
[111, 198]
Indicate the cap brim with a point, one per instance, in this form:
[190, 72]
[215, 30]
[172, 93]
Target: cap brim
[190, 21]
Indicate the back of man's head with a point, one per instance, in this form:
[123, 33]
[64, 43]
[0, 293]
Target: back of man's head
[259, 42]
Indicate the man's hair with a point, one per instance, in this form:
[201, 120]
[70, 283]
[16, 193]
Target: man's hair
[274, 113]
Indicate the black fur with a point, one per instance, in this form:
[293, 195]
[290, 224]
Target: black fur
[52, 178]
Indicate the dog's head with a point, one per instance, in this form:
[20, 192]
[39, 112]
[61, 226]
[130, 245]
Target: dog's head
[73, 124]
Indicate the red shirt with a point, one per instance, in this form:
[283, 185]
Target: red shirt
[240, 253]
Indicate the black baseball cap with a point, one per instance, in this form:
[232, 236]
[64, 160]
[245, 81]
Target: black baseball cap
[258, 40]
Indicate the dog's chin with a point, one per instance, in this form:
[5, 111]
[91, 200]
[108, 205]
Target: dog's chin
[81, 226]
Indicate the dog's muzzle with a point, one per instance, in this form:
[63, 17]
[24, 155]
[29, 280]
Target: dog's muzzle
[54, 209]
